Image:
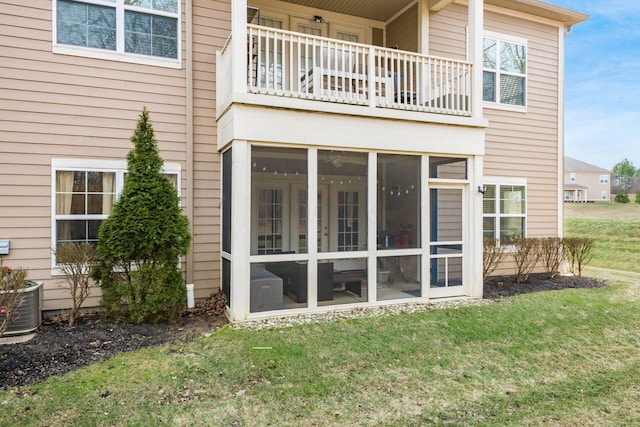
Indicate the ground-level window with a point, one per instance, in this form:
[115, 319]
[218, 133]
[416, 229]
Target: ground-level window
[83, 196]
[605, 195]
[504, 211]
[83, 200]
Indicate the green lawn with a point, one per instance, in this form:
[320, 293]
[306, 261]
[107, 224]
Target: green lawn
[615, 228]
[553, 358]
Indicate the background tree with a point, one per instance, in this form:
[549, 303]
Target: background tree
[621, 197]
[624, 173]
[139, 245]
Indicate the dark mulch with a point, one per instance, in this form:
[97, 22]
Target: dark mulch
[505, 286]
[57, 349]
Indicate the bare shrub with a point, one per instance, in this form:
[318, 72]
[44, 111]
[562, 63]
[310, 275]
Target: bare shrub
[492, 256]
[76, 261]
[12, 282]
[578, 252]
[551, 255]
[525, 257]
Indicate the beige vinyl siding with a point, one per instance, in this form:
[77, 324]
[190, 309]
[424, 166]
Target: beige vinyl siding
[67, 107]
[211, 28]
[517, 144]
[403, 31]
[447, 32]
[525, 144]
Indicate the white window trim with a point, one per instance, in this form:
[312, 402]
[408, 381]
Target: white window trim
[500, 181]
[572, 177]
[118, 54]
[119, 167]
[496, 105]
[604, 179]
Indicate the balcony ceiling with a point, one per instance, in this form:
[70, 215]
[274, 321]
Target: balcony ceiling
[383, 10]
[379, 10]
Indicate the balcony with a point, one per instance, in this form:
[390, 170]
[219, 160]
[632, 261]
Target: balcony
[293, 65]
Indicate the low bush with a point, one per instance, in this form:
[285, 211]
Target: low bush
[525, 257]
[578, 251]
[76, 261]
[492, 256]
[11, 283]
[622, 196]
[551, 255]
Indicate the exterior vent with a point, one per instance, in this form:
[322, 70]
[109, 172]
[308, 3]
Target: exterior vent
[28, 315]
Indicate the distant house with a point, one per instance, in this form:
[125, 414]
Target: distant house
[584, 182]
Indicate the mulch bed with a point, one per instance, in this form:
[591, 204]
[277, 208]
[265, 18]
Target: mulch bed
[56, 349]
[504, 286]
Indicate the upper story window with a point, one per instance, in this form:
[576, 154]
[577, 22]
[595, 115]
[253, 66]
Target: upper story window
[572, 177]
[136, 27]
[604, 179]
[505, 70]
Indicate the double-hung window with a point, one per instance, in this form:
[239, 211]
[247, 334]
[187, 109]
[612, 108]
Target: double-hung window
[129, 27]
[504, 211]
[84, 192]
[505, 70]
[83, 199]
[604, 179]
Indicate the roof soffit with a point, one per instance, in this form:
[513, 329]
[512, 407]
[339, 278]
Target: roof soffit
[539, 8]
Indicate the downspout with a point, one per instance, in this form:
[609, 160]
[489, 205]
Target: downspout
[189, 132]
[561, 35]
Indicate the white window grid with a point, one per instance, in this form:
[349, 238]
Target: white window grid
[497, 215]
[499, 39]
[119, 54]
[117, 167]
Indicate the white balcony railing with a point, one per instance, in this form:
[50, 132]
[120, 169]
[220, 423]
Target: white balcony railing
[284, 63]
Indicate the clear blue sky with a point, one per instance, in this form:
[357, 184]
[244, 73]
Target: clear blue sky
[602, 82]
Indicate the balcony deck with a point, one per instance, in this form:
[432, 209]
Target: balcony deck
[294, 65]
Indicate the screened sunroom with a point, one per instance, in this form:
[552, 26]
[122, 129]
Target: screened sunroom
[314, 229]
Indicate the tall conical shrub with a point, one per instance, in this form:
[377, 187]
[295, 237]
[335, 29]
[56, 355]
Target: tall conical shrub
[139, 245]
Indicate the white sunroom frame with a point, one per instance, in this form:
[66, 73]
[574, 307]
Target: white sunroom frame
[241, 258]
